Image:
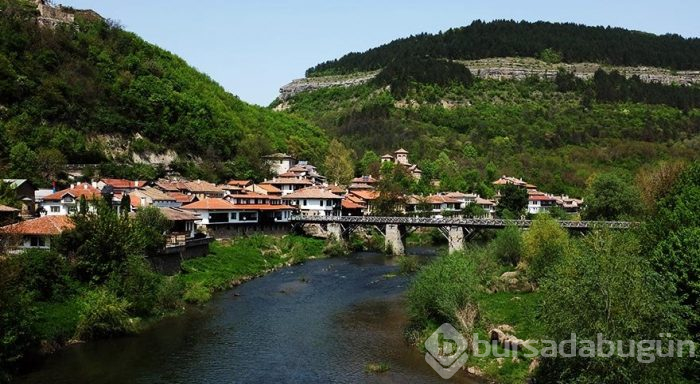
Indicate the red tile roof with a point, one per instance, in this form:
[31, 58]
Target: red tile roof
[263, 207]
[287, 180]
[181, 197]
[349, 204]
[312, 193]
[123, 183]
[41, 226]
[270, 189]
[80, 190]
[210, 204]
[240, 183]
[364, 180]
[366, 195]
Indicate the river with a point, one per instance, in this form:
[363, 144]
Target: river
[317, 322]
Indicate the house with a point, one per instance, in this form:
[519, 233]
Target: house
[400, 157]
[540, 203]
[182, 226]
[24, 192]
[369, 180]
[507, 180]
[315, 201]
[120, 185]
[182, 198]
[217, 211]
[337, 189]
[569, 204]
[288, 184]
[234, 186]
[351, 207]
[463, 198]
[264, 189]
[150, 196]
[66, 201]
[279, 162]
[202, 189]
[366, 197]
[488, 206]
[36, 233]
[307, 171]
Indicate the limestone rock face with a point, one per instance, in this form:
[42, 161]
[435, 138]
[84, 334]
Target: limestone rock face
[314, 83]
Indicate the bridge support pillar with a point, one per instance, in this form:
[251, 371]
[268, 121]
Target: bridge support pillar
[393, 241]
[456, 239]
[335, 232]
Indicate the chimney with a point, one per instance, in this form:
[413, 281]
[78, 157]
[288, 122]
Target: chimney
[72, 186]
[94, 184]
[85, 186]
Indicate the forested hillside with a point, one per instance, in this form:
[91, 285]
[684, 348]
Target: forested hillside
[573, 42]
[556, 132]
[89, 92]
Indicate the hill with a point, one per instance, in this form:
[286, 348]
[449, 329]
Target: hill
[466, 119]
[76, 88]
[502, 38]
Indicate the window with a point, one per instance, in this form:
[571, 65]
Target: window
[322, 203]
[36, 241]
[234, 216]
[304, 204]
[249, 216]
[55, 209]
[218, 217]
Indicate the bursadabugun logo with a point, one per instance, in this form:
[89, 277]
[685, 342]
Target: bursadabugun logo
[447, 351]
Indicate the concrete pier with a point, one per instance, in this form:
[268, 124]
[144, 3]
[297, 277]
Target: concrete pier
[393, 241]
[456, 239]
[335, 232]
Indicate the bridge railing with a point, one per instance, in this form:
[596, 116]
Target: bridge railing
[450, 221]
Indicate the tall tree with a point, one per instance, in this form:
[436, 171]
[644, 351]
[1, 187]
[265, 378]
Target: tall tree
[338, 164]
[513, 202]
[608, 197]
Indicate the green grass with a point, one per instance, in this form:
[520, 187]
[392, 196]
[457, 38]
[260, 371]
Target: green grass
[241, 258]
[518, 310]
[58, 321]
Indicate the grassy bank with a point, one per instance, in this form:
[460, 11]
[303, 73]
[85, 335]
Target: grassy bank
[233, 261]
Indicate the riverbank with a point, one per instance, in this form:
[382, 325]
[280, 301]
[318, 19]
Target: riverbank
[54, 310]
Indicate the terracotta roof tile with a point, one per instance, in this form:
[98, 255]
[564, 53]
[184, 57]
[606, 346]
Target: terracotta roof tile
[5, 208]
[211, 204]
[287, 180]
[41, 226]
[80, 190]
[366, 195]
[312, 193]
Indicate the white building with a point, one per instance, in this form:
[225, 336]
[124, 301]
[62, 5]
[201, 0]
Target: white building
[36, 233]
[288, 184]
[66, 201]
[540, 203]
[280, 162]
[315, 202]
[216, 211]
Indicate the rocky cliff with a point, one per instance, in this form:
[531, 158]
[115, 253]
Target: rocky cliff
[503, 69]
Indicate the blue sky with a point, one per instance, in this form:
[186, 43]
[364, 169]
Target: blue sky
[253, 47]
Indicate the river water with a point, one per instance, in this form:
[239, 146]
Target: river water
[318, 322]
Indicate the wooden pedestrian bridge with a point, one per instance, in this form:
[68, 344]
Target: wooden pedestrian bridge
[456, 230]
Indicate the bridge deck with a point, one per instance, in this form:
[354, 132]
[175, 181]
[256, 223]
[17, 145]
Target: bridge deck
[459, 222]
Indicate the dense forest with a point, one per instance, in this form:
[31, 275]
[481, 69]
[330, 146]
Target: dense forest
[93, 93]
[573, 43]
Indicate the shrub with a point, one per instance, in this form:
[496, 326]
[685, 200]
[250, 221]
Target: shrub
[442, 288]
[508, 245]
[45, 274]
[605, 286]
[17, 315]
[544, 245]
[335, 249]
[104, 315]
[139, 285]
[408, 264]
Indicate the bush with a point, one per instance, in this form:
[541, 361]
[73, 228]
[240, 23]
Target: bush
[443, 288]
[605, 286]
[544, 245]
[17, 316]
[104, 315]
[45, 274]
[335, 249]
[408, 264]
[508, 245]
[139, 285]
